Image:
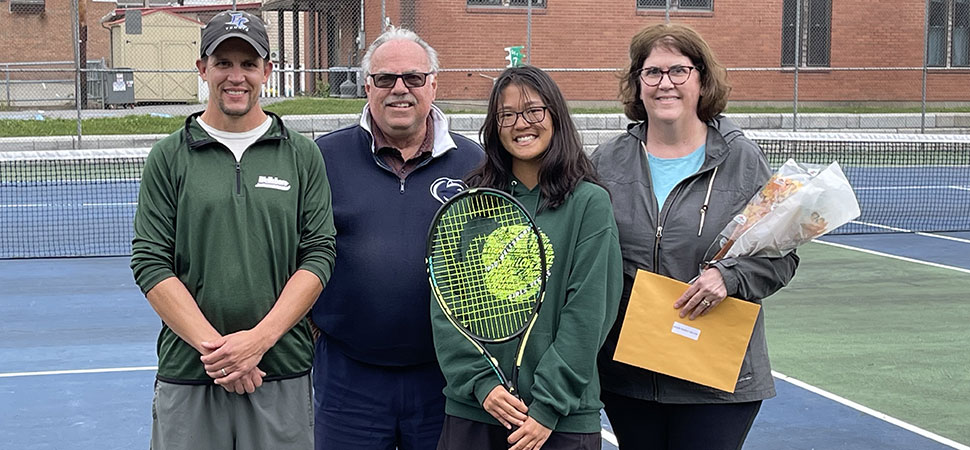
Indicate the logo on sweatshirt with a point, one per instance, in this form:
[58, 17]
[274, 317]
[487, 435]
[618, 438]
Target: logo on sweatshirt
[445, 188]
[272, 183]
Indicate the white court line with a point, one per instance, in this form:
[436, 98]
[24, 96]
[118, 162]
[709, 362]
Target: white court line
[63, 205]
[918, 233]
[885, 417]
[963, 188]
[888, 255]
[609, 437]
[77, 371]
[901, 188]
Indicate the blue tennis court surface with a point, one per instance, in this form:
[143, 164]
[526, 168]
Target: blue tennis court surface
[65, 316]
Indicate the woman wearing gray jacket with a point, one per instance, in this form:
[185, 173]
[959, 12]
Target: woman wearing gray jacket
[677, 178]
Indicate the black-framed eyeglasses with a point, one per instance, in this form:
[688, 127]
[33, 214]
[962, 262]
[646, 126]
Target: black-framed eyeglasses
[531, 115]
[411, 79]
[678, 75]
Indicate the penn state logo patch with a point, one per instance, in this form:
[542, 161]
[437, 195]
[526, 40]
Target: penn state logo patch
[445, 188]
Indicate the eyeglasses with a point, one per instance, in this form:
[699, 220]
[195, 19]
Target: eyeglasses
[411, 79]
[678, 75]
[531, 115]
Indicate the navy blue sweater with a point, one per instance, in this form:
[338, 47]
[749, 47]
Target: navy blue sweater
[376, 305]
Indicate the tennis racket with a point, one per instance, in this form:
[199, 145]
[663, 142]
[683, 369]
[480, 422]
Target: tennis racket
[487, 267]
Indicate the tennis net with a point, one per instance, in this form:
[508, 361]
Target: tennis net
[82, 202]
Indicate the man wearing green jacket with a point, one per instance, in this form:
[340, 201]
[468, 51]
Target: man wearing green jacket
[234, 241]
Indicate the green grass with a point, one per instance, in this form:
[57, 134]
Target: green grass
[312, 105]
[885, 333]
[146, 124]
[840, 110]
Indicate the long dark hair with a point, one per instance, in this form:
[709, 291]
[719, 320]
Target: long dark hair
[563, 165]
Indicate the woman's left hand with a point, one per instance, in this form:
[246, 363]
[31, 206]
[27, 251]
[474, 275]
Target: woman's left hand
[530, 436]
[703, 295]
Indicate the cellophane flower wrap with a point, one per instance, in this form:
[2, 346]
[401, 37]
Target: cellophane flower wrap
[800, 202]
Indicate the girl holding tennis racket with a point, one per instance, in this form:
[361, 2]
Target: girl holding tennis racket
[535, 154]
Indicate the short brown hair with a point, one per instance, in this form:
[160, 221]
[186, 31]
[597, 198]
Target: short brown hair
[714, 85]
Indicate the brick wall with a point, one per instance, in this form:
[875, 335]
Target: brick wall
[743, 34]
[48, 36]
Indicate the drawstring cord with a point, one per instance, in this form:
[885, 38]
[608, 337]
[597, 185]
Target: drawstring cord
[707, 201]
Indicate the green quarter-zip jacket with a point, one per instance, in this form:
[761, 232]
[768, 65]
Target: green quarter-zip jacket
[233, 234]
[558, 379]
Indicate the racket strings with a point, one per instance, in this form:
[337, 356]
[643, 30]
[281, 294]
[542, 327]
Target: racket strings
[485, 292]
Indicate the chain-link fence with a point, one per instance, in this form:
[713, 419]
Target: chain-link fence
[788, 56]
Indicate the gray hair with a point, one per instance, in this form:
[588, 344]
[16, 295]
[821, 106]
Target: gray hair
[393, 34]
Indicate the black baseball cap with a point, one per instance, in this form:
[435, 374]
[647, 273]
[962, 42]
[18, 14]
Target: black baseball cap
[230, 24]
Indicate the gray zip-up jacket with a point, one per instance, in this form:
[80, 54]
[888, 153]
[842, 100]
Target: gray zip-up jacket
[678, 238]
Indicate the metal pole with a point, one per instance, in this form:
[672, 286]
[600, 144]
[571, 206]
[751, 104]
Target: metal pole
[383, 18]
[926, 49]
[77, 71]
[667, 12]
[233, 5]
[528, 34]
[798, 61]
[7, 71]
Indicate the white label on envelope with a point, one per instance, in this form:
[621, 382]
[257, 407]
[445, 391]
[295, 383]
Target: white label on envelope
[686, 331]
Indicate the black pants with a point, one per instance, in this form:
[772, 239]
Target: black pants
[648, 425]
[464, 434]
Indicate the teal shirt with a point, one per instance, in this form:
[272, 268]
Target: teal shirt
[665, 173]
[558, 380]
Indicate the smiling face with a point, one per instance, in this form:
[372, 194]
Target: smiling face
[668, 102]
[235, 74]
[525, 142]
[399, 111]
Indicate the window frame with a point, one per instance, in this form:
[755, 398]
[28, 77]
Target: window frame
[815, 34]
[500, 4]
[942, 26]
[675, 6]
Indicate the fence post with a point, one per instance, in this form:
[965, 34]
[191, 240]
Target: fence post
[528, 34]
[798, 60]
[77, 69]
[926, 49]
[7, 71]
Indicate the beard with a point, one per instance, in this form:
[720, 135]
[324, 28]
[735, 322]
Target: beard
[236, 112]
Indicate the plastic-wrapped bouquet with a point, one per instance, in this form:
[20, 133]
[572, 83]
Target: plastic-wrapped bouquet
[800, 202]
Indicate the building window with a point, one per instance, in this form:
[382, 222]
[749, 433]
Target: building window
[948, 33]
[677, 5]
[27, 6]
[815, 32]
[508, 3]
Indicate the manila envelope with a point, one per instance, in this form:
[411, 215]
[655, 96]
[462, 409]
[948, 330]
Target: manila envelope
[707, 350]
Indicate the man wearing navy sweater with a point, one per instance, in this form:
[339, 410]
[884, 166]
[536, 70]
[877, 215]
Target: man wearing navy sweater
[376, 381]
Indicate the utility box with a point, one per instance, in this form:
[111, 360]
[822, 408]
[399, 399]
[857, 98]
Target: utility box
[119, 88]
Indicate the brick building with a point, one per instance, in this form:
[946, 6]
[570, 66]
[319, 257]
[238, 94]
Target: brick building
[756, 39]
[43, 30]
[757, 35]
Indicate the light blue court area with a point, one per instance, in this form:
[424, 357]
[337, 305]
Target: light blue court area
[77, 350]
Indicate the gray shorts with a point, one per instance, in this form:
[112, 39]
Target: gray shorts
[279, 415]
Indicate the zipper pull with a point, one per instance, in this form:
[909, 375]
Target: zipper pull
[402, 186]
[660, 232]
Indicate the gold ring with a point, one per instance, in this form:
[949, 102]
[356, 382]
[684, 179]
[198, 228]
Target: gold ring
[706, 303]
[224, 372]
